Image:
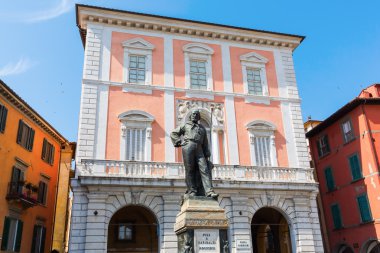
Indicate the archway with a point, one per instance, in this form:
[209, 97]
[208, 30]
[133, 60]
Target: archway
[372, 246]
[345, 249]
[270, 232]
[133, 229]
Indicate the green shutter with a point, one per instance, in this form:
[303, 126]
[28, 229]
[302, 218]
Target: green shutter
[43, 235]
[3, 117]
[31, 139]
[336, 216]
[329, 179]
[34, 238]
[43, 155]
[4, 242]
[19, 132]
[18, 235]
[355, 167]
[52, 154]
[365, 212]
[327, 144]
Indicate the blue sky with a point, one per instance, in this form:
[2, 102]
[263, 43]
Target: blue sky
[42, 54]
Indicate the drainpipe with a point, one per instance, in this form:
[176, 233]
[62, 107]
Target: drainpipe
[373, 148]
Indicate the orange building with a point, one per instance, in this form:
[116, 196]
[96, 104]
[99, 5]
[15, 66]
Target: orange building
[32, 156]
[345, 149]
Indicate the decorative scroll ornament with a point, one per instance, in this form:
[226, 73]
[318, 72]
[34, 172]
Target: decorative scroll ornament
[184, 107]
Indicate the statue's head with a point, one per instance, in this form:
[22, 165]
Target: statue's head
[195, 116]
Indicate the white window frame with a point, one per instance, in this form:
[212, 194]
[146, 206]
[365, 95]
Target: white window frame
[136, 119]
[199, 52]
[140, 47]
[254, 61]
[260, 128]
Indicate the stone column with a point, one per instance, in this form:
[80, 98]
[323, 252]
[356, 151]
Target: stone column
[96, 227]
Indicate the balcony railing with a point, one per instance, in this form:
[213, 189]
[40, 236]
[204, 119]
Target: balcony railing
[164, 170]
[23, 193]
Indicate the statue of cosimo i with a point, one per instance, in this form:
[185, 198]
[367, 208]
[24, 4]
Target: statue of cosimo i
[196, 156]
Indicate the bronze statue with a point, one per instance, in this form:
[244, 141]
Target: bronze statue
[196, 155]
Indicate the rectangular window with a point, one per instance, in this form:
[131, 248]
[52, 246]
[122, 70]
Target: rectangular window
[262, 150]
[356, 171]
[198, 75]
[137, 69]
[135, 144]
[12, 234]
[38, 240]
[335, 210]
[17, 181]
[47, 152]
[3, 117]
[365, 212]
[255, 86]
[42, 192]
[323, 146]
[125, 232]
[348, 132]
[25, 135]
[329, 179]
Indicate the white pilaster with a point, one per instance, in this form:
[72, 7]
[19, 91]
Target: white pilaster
[215, 146]
[101, 126]
[233, 151]
[169, 98]
[105, 61]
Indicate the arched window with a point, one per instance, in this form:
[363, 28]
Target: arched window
[262, 143]
[136, 133]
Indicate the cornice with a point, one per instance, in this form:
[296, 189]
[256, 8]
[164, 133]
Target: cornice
[108, 17]
[206, 92]
[9, 95]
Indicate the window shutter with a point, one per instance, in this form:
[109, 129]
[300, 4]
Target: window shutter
[327, 144]
[43, 155]
[52, 154]
[4, 242]
[364, 208]
[3, 117]
[40, 192]
[34, 238]
[31, 139]
[336, 216]
[18, 235]
[19, 132]
[329, 179]
[355, 167]
[43, 235]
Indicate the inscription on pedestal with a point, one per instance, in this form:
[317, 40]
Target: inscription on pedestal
[243, 246]
[206, 240]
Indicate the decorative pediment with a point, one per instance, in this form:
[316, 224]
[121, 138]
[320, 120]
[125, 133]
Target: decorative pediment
[260, 125]
[197, 48]
[138, 43]
[207, 110]
[136, 115]
[253, 57]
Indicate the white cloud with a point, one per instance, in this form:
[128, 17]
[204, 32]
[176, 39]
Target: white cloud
[61, 8]
[16, 68]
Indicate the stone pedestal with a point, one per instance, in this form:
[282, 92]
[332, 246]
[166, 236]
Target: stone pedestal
[201, 226]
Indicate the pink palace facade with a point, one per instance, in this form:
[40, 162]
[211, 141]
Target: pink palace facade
[142, 76]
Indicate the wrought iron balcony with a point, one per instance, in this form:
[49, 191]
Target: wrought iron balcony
[25, 194]
[164, 170]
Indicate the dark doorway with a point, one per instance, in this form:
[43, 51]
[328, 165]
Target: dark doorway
[270, 232]
[133, 229]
